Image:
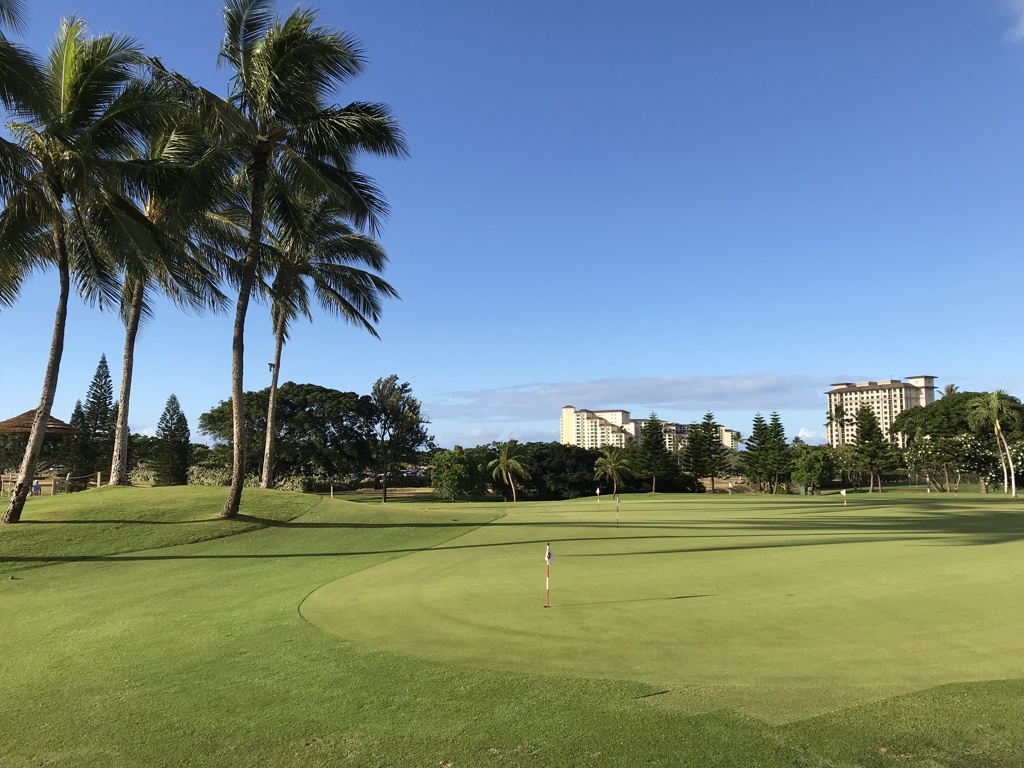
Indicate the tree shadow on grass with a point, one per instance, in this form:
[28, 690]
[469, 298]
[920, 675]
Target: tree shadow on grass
[636, 600]
[132, 557]
[940, 523]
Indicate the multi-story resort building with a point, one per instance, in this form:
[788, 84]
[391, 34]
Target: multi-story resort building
[599, 429]
[887, 398]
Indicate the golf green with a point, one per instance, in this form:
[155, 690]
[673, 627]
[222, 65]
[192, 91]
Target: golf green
[780, 609]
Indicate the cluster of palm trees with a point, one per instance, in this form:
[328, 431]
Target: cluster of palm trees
[131, 180]
[510, 466]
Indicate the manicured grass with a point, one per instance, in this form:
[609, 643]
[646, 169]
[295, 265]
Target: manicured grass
[705, 631]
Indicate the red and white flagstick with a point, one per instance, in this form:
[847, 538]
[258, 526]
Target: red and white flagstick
[548, 557]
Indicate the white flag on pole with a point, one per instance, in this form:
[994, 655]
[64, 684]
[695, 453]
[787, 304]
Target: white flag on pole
[843, 492]
[549, 558]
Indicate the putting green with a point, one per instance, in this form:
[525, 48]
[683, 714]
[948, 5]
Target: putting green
[779, 610]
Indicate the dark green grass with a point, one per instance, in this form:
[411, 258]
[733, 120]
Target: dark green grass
[197, 655]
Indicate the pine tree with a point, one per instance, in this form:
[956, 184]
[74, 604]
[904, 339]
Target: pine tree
[778, 454]
[75, 452]
[98, 410]
[873, 451]
[171, 458]
[755, 460]
[652, 458]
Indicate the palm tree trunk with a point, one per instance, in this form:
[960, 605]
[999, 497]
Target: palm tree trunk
[119, 462]
[1009, 459]
[35, 437]
[512, 485]
[259, 185]
[268, 447]
[1002, 463]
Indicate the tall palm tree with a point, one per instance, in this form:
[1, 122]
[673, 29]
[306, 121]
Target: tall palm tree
[614, 464]
[509, 466]
[950, 389]
[312, 247]
[283, 126]
[75, 139]
[176, 202]
[996, 410]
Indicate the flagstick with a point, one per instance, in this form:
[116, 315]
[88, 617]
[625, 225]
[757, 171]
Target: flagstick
[547, 587]
[548, 557]
[616, 511]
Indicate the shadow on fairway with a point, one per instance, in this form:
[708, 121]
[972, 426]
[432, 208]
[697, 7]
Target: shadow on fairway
[939, 524]
[130, 557]
[637, 600]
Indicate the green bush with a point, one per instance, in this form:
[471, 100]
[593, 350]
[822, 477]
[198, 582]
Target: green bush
[209, 476]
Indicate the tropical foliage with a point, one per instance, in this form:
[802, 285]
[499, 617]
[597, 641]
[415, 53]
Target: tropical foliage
[509, 466]
[613, 464]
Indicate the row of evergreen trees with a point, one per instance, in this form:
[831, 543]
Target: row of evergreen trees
[167, 456]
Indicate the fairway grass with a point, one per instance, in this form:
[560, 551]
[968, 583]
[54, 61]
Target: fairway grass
[704, 631]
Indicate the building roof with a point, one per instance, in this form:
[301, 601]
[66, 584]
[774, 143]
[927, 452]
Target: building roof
[23, 423]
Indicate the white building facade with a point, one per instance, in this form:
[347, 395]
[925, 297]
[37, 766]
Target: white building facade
[615, 428]
[887, 398]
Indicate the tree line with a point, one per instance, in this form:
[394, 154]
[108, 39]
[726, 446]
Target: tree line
[976, 435]
[322, 436]
[129, 181]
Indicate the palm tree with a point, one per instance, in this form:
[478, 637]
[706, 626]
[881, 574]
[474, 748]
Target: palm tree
[994, 410]
[950, 389]
[74, 140]
[509, 466]
[313, 247]
[613, 464]
[176, 203]
[282, 126]
[839, 419]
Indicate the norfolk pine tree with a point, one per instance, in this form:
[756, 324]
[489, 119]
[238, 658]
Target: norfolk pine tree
[874, 453]
[171, 458]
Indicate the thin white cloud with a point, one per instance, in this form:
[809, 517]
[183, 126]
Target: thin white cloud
[1016, 11]
[537, 401]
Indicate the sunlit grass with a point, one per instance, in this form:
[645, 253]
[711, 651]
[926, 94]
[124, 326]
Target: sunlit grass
[123, 645]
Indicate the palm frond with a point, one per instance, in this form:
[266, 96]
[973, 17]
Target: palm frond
[20, 76]
[12, 14]
[245, 24]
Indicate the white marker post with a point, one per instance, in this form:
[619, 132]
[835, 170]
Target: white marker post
[548, 559]
[598, 499]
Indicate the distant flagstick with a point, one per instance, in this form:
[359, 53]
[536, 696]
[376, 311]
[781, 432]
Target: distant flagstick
[843, 492]
[548, 559]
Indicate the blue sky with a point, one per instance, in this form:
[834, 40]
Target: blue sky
[656, 206]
